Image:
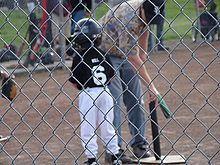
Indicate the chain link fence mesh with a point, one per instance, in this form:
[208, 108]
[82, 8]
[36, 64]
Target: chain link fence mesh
[60, 126]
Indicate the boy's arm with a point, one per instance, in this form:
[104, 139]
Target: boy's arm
[75, 85]
[112, 79]
[75, 72]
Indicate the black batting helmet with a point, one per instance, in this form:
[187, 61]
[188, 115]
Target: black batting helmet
[87, 30]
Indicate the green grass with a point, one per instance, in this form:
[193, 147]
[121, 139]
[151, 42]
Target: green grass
[14, 25]
[180, 15]
[100, 10]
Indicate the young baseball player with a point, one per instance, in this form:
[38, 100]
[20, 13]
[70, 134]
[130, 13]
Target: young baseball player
[7, 92]
[91, 73]
[5, 75]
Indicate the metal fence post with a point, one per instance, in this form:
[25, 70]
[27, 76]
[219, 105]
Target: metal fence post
[93, 7]
[198, 21]
[61, 37]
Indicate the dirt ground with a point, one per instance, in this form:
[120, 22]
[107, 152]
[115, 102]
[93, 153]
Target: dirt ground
[44, 125]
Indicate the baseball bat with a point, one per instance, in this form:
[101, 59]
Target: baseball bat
[155, 132]
[164, 107]
[36, 46]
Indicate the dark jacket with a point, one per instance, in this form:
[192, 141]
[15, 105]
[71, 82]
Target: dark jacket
[87, 3]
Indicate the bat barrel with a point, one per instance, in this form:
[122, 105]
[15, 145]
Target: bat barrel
[155, 133]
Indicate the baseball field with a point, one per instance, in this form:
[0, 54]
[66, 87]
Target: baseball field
[43, 121]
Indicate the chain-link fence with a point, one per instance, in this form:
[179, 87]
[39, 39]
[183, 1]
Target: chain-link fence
[41, 125]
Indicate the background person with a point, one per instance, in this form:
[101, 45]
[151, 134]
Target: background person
[78, 11]
[55, 24]
[159, 33]
[120, 40]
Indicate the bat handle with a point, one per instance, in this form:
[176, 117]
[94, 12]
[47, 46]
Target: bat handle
[155, 134]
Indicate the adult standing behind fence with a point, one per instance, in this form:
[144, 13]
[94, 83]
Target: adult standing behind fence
[78, 7]
[113, 3]
[125, 39]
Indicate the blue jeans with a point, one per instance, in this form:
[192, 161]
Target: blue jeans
[76, 16]
[159, 34]
[126, 87]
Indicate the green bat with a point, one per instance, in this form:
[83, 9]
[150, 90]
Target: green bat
[164, 107]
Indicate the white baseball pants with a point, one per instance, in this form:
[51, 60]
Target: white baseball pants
[95, 104]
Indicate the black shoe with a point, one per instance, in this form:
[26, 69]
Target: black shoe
[124, 159]
[90, 162]
[115, 160]
[87, 163]
[163, 48]
[140, 151]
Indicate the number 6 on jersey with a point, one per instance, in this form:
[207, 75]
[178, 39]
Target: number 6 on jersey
[99, 76]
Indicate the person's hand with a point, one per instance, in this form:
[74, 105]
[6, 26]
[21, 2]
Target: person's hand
[4, 74]
[153, 93]
[87, 14]
[74, 85]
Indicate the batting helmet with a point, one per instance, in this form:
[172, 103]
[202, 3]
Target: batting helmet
[87, 30]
